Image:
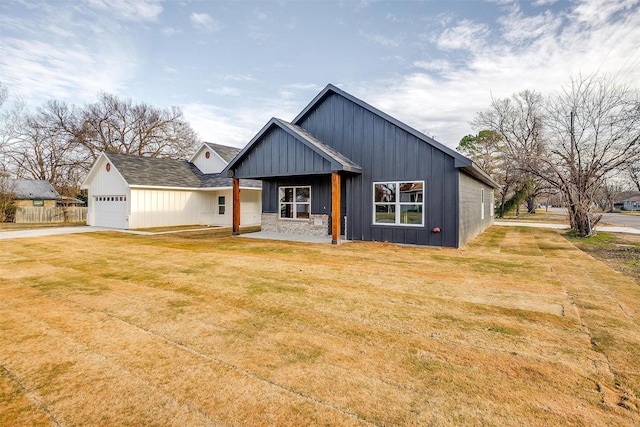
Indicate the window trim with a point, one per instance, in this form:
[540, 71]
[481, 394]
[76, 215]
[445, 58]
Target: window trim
[222, 207]
[397, 204]
[294, 203]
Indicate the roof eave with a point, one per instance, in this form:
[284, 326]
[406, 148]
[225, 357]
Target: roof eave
[333, 89]
[479, 174]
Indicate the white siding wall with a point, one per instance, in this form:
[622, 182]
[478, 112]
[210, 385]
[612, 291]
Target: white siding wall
[214, 164]
[105, 183]
[250, 208]
[164, 208]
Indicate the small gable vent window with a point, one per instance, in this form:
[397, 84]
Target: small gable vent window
[207, 155]
[108, 167]
[398, 203]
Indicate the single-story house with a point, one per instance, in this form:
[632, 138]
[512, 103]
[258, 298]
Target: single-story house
[33, 192]
[343, 167]
[128, 191]
[632, 204]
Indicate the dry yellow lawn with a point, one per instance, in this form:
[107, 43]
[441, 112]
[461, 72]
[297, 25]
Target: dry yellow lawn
[517, 328]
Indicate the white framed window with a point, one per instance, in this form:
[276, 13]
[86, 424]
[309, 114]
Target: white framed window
[398, 203]
[295, 202]
[482, 203]
[222, 207]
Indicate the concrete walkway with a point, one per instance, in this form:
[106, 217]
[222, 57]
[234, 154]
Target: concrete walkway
[53, 231]
[49, 231]
[608, 229]
[291, 237]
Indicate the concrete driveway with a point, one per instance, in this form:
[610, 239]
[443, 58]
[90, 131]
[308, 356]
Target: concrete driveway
[49, 231]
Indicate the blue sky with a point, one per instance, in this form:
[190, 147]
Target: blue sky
[231, 66]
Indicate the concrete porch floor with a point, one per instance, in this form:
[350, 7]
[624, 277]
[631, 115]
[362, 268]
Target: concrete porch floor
[290, 237]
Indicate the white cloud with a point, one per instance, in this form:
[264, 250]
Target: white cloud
[168, 31]
[467, 35]
[213, 124]
[441, 100]
[225, 90]
[518, 28]
[41, 70]
[205, 22]
[544, 2]
[138, 10]
[439, 65]
[381, 39]
[598, 12]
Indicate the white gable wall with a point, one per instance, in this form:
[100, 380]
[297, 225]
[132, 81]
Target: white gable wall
[105, 183]
[214, 164]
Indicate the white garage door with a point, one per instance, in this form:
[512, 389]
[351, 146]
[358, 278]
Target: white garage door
[110, 211]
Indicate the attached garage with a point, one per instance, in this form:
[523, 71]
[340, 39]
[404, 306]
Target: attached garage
[132, 192]
[110, 211]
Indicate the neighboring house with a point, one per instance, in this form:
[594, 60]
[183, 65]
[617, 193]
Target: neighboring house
[342, 167]
[632, 204]
[31, 192]
[128, 192]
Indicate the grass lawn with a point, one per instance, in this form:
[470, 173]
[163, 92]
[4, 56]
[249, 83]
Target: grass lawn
[517, 328]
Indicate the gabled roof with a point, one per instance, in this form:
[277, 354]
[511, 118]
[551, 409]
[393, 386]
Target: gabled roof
[338, 161]
[220, 181]
[139, 171]
[460, 160]
[27, 189]
[154, 171]
[225, 152]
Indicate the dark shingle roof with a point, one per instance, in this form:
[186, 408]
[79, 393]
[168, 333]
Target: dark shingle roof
[153, 171]
[227, 153]
[219, 180]
[27, 189]
[158, 172]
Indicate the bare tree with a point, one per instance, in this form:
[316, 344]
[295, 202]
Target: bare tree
[118, 125]
[47, 148]
[518, 122]
[593, 130]
[7, 197]
[634, 174]
[11, 115]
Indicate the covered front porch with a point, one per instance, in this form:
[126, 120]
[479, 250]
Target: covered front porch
[302, 181]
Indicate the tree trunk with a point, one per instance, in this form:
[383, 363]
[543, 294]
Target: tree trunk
[580, 219]
[531, 204]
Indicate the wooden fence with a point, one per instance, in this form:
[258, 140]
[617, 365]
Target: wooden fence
[50, 214]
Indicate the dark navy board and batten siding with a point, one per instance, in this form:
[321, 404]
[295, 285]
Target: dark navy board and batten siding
[386, 153]
[280, 154]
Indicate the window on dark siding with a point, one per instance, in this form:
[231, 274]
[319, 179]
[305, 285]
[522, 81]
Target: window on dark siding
[295, 202]
[399, 203]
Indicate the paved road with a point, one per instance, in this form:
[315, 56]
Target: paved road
[624, 220]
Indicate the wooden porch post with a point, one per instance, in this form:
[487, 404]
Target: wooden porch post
[335, 208]
[235, 229]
